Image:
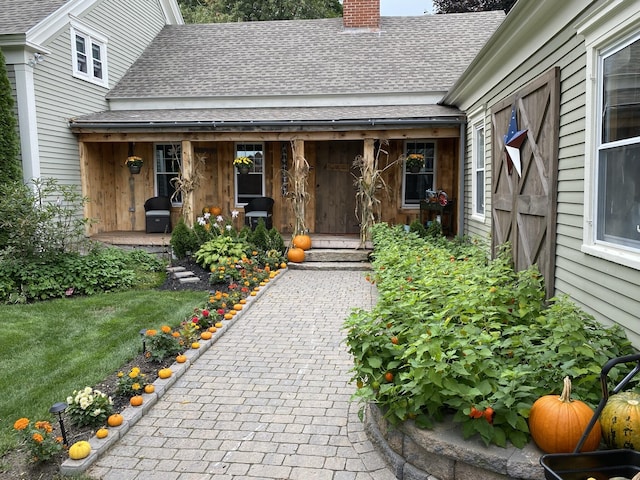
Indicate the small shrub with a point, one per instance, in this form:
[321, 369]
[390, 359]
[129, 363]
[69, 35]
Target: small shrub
[183, 240]
[417, 228]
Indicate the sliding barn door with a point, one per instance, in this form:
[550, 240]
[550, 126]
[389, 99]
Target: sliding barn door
[524, 207]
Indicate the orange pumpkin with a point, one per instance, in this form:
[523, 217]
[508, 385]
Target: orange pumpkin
[557, 423]
[206, 335]
[164, 373]
[149, 388]
[102, 433]
[302, 241]
[295, 255]
[115, 420]
[215, 211]
[136, 400]
[181, 358]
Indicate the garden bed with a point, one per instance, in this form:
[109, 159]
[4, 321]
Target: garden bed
[15, 465]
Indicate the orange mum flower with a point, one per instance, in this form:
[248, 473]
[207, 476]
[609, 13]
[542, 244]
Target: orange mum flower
[21, 424]
[37, 438]
[151, 332]
[44, 425]
[166, 329]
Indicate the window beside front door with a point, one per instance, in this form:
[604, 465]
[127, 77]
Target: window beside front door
[168, 163]
[415, 185]
[250, 185]
[618, 147]
[89, 54]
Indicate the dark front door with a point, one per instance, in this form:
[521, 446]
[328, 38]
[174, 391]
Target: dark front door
[335, 190]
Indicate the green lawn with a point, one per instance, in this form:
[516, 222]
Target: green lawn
[48, 349]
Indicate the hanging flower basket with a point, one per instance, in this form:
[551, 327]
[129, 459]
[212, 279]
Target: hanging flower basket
[134, 163]
[243, 164]
[414, 162]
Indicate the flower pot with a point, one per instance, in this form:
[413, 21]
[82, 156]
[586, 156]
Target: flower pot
[414, 169]
[243, 170]
[135, 168]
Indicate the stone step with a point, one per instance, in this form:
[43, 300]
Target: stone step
[329, 241]
[358, 266]
[336, 255]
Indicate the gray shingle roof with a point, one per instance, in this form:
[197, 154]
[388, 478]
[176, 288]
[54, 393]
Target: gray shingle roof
[219, 116]
[307, 57]
[18, 16]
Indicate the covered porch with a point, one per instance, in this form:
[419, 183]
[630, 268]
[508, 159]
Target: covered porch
[199, 156]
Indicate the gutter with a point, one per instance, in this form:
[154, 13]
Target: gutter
[457, 120]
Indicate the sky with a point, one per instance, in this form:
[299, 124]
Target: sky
[405, 7]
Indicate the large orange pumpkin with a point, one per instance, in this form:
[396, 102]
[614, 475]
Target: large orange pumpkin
[302, 241]
[295, 255]
[557, 423]
[215, 211]
[136, 400]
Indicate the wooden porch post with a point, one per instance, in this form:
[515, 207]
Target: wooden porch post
[188, 197]
[299, 192]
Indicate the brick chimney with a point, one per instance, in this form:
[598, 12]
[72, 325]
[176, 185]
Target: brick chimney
[361, 14]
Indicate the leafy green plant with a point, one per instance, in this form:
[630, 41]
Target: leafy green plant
[220, 249]
[163, 344]
[89, 407]
[59, 274]
[131, 383]
[456, 334]
[39, 438]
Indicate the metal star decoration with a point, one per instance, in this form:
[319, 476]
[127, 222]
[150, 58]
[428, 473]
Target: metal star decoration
[513, 140]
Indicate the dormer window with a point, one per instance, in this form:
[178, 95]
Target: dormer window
[89, 54]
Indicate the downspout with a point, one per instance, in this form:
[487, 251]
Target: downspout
[463, 141]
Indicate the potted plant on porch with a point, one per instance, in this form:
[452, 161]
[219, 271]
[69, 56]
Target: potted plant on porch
[414, 162]
[243, 164]
[134, 163]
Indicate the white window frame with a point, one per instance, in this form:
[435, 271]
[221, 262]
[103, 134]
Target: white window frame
[161, 171]
[91, 38]
[605, 31]
[478, 124]
[251, 172]
[405, 173]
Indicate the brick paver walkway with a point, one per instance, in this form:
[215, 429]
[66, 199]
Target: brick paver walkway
[269, 400]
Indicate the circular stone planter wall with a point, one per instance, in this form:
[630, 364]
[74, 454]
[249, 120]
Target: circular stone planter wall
[417, 454]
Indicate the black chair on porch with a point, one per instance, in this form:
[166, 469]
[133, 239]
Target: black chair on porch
[158, 215]
[260, 207]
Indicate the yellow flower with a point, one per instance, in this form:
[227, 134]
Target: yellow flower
[120, 374]
[133, 160]
[136, 386]
[21, 424]
[242, 162]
